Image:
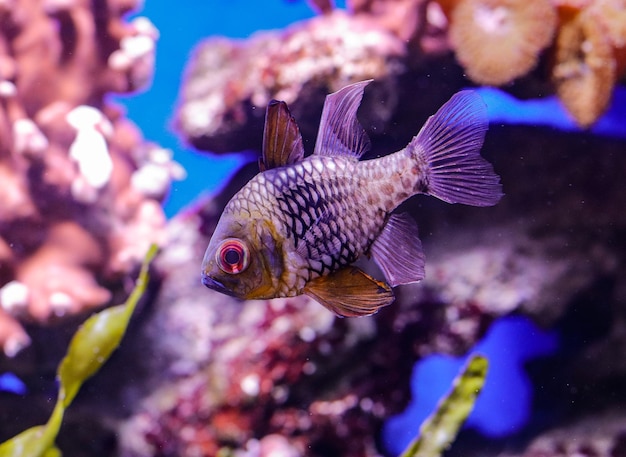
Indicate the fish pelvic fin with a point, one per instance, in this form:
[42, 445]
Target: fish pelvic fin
[349, 292]
[398, 251]
[447, 153]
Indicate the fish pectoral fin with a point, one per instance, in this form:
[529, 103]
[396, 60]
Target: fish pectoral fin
[398, 251]
[282, 142]
[350, 292]
[340, 133]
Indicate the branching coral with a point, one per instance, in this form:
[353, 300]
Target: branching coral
[80, 188]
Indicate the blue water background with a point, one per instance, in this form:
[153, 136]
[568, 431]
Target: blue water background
[9, 382]
[503, 407]
[181, 28]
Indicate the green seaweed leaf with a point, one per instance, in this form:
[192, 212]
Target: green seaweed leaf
[440, 429]
[89, 349]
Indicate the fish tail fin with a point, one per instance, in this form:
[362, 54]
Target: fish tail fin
[447, 152]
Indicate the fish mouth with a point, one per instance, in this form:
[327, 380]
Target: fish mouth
[216, 285]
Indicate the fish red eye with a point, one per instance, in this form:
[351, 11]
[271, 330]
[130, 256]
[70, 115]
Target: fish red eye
[232, 256]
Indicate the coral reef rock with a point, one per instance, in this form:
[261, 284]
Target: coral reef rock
[229, 83]
[576, 49]
[81, 189]
[261, 376]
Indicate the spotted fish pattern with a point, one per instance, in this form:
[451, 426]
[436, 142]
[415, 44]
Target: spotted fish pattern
[314, 215]
[299, 225]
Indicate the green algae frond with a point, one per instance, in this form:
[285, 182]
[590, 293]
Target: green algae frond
[89, 349]
[440, 429]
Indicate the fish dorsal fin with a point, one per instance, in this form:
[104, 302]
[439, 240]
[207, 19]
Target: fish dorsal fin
[349, 292]
[282, 142]
[340, 132]
[398, 251]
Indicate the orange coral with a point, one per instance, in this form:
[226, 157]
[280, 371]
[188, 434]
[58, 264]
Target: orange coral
[612, 15]
[584, 71]
[59, 276]
[497, 41]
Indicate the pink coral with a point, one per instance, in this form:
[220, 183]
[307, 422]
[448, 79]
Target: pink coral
[81, 189]
[58, 276]
[331, 50]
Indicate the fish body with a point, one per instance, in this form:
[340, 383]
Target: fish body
[300, 224]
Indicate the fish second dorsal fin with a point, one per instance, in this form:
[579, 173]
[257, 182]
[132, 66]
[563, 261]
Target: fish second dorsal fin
[349, 292]
[398, 251]
[340, 132]
[282, 142]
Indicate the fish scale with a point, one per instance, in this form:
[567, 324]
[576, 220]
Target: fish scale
[315, 214]
[337, 235]
[316, 199]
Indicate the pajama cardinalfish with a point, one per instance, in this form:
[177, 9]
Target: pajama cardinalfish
[298, 226]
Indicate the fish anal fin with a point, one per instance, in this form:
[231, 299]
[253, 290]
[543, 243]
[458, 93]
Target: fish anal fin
[340, 133]
[349, 292]
[282, 142]
[398, 250]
